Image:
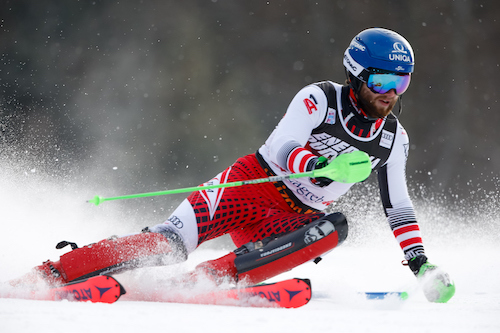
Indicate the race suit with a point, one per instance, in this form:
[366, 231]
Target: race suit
[323, 119]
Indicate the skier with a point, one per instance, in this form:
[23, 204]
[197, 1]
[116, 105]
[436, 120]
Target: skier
[278, 226]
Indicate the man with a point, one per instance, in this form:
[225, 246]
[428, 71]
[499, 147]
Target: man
[277, 226]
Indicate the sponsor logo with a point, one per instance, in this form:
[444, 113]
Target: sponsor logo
[406, 147]
[399, 68]
[319, 231]
[76, 294]
[276, 250]
[357, 45]
[386, 139]
[399, 57]
[176, 221]
[310, 105]
[271, 296]
[304, 192]
[293, 293]
[275, 296]
[346, 58]
[399, 48]
[330, 118]
[311, 96]
[329, 146]
[102, 290]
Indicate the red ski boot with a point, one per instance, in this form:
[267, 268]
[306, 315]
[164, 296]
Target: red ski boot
[108, 256]
[47, 274]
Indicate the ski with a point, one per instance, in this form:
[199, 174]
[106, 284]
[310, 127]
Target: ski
[383, 295]
[96, 289]
[292, 293]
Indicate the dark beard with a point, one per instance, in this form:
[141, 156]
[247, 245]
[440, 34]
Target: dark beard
[373, 111]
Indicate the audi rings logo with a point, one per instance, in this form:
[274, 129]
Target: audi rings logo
[176, 221]
[398, 47]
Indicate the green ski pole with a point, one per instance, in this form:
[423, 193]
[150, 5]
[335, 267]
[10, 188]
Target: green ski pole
[347, 168]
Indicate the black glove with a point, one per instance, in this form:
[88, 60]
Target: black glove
[321, 181]
[417, 262]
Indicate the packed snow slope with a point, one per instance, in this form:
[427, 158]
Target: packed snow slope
[39, 211]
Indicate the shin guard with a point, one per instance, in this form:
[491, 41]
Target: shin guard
[255, 262]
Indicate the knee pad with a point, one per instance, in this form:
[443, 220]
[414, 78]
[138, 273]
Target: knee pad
[293, 249]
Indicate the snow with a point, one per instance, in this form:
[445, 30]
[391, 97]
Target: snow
[38, 212]
[335, 305]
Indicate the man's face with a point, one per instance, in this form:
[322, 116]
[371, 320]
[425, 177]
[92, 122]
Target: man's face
[377, 105]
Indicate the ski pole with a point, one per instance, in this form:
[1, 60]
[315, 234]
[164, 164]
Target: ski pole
[347, 168]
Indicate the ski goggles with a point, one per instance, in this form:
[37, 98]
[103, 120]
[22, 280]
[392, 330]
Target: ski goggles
[381, 83]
